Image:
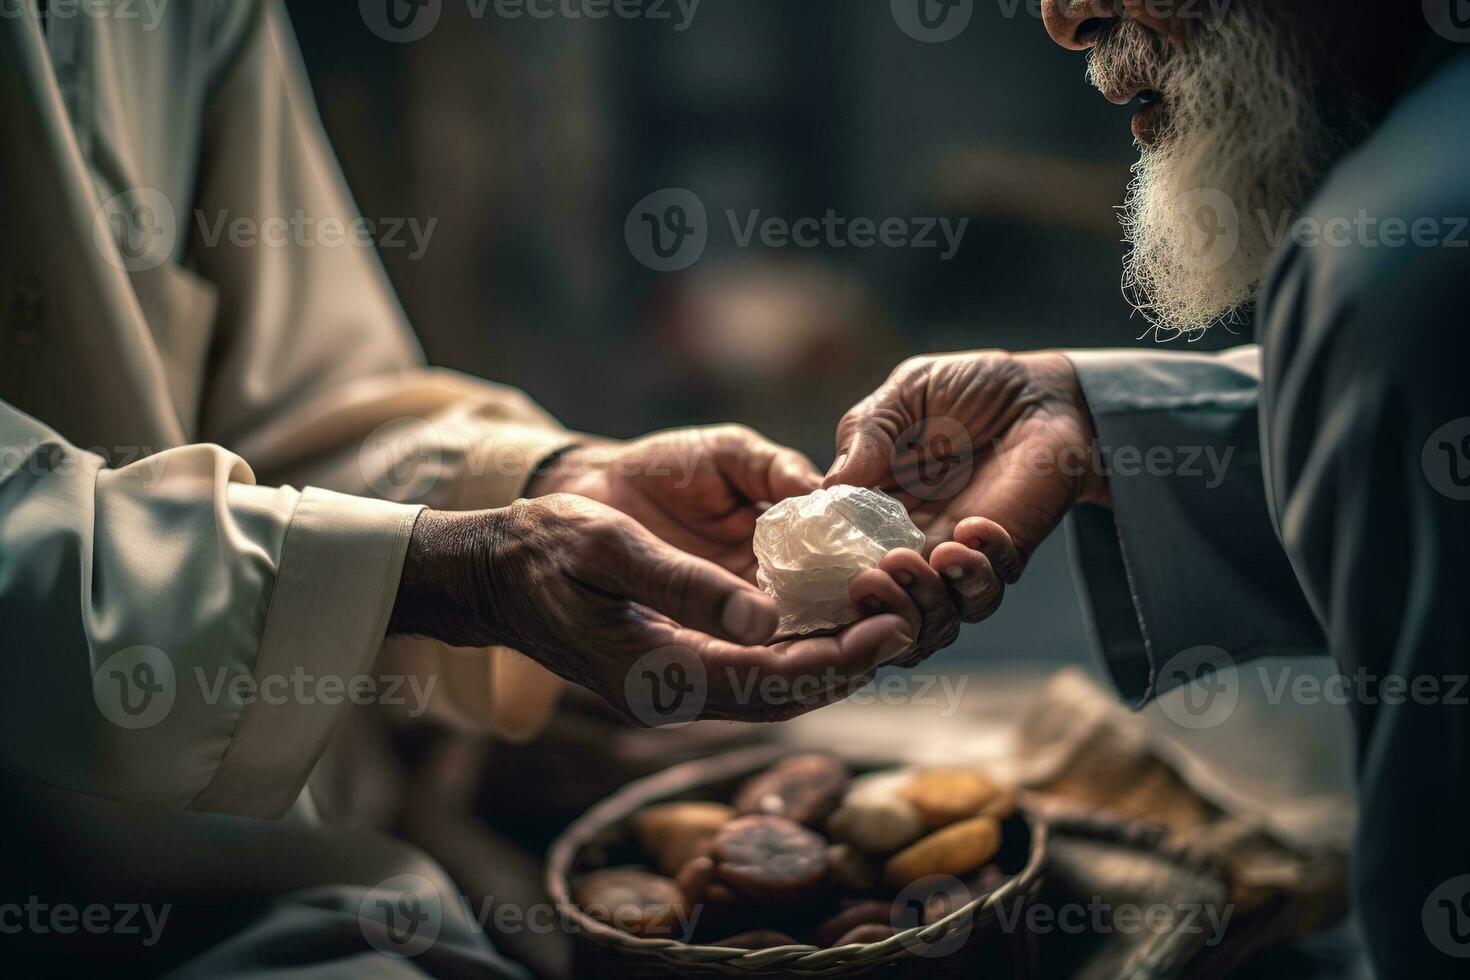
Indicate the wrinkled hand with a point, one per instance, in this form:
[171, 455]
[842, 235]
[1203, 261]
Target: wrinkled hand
[588, 592]
[700, 490]
[988, 450]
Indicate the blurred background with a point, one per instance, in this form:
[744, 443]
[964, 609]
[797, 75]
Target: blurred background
[529, 141]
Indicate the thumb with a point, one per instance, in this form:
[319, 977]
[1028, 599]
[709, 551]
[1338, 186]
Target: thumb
[760, 470]
[693, 592]
[864, 448]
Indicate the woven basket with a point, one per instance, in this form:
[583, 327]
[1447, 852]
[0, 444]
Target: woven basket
[933, 950]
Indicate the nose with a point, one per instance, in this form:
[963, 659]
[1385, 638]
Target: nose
[1077, 24]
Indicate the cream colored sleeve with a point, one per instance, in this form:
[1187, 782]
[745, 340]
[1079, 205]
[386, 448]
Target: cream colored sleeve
[175, 634]
[316, 377]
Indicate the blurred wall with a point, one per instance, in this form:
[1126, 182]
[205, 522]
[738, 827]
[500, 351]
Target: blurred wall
[528, 141]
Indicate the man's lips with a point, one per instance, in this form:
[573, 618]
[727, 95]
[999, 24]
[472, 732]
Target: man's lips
[1149, 120]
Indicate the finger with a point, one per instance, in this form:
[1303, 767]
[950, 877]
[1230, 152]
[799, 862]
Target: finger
[689, 590]
[865, 440]
[759, 469]
[970, 578]
[875, 592]
[989, 538]
[941, 616]
[757, 682]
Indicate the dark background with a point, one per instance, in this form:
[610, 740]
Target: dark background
[529, 140]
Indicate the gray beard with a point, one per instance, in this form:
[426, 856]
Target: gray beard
[1241, 149]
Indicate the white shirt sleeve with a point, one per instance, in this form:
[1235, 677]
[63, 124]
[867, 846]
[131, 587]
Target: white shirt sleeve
[175, 634]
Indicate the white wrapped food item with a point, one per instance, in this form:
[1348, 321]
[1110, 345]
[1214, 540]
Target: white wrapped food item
[809, 549]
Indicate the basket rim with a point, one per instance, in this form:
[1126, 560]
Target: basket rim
[810, 959]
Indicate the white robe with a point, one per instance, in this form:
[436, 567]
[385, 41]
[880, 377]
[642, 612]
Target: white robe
[164, 383]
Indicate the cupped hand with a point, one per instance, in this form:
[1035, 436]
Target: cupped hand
[988, 450]
[601, 601]
[698, 489]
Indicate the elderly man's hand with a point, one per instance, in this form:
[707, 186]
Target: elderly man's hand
[700, 490]
[596, 598]
[988, 450]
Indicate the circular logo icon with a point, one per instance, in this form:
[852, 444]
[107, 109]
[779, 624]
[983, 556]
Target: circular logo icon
[135, 688]
[401, 460]
[1446, 459]
[401, 915]
[925, 902]
[1208, 688]
[666, 687]
[1450, 19]
[400, 21]
[933, 459]
[1446, 917]
[668, 230]
[933, 21]
[1214, 227]
[136, 229]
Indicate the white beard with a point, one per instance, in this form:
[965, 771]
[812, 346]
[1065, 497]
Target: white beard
[1240, 148]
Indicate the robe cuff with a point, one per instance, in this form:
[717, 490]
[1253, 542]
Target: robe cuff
[1185, 572]
[333, 594]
